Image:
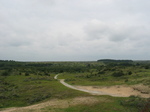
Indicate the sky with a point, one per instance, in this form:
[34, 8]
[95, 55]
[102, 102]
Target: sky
[74, 30]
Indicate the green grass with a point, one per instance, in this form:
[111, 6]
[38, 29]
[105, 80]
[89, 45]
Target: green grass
[27, 90]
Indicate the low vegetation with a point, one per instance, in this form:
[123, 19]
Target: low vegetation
[26, 83]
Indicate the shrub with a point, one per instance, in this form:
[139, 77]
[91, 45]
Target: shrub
[118, 74]
[101, 72]
[6, 73]
[129, 73]
[27, 74]
[146, 67]
[126, 80]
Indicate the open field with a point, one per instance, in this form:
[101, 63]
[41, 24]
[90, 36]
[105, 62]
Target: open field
[30, 86]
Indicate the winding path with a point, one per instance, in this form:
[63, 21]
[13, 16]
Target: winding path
[84, 90]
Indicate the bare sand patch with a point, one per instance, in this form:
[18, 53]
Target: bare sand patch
[120, 90]
[84, 100]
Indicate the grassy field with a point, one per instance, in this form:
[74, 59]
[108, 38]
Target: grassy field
[28, 83]
[27, 90]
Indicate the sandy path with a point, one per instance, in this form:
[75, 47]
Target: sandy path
[116, 91]
[84, 89]
[56, 76]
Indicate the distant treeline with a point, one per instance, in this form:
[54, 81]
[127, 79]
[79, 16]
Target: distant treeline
[7, 61]
[112, 60]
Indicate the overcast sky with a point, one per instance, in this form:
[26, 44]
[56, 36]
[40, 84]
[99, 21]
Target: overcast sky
[74, 30]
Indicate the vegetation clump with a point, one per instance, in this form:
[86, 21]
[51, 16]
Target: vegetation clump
[140, 103]
[118, 74]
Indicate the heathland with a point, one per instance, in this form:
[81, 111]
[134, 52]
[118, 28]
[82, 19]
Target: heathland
[30, 86]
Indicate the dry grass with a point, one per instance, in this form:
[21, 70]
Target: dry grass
[55, 103]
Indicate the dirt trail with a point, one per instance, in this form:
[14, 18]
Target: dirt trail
[122, 90]
[85, 89]
[116, 91]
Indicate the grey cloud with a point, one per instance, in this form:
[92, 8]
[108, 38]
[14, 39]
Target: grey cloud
[65, 40]
[113, 32]
[117, 40]
[17, 44]
[96, 30]
[14, 42]
[120, 34]
[45, 2]
[74, 30]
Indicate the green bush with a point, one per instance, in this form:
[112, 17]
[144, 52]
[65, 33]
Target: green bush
[5, 73]
[27, 74]
[118, 74]
[129, 73]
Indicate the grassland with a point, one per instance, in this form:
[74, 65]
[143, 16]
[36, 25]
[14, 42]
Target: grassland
[27, 90]
[31, 83]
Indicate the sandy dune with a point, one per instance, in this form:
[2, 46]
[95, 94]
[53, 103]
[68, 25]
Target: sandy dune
[120, 90]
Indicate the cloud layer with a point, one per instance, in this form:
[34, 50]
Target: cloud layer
[64, 30]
